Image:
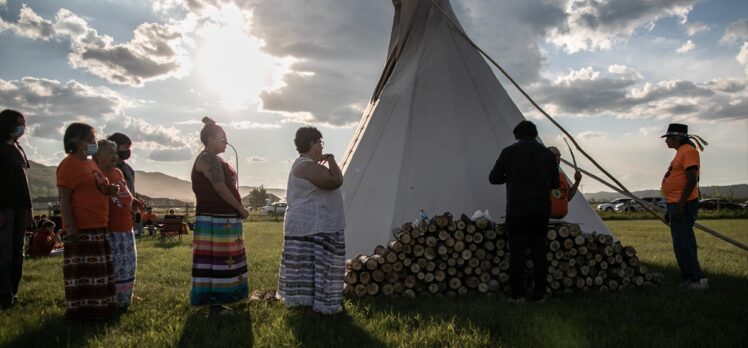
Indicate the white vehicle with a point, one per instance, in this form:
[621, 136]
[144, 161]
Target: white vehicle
[277, 208]
[610, 206]
[631, 205]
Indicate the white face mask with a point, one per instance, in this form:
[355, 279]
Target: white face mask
[92, 149]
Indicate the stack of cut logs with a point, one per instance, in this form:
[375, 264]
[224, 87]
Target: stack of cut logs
[446, 257]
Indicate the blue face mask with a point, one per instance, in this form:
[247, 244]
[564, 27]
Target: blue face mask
[92, 149]
[18, 132]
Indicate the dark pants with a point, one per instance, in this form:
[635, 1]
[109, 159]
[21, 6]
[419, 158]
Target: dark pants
[12, 231]
[684, 240]
[524, 230]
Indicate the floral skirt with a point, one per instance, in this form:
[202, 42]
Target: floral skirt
[125, 259]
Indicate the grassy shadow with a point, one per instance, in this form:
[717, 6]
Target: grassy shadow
[312, 329]
[55, 331]
[234, 330]
[660, 316]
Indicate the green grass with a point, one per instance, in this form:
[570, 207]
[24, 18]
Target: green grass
[663, 316]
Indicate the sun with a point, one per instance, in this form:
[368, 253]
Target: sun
[232, 65]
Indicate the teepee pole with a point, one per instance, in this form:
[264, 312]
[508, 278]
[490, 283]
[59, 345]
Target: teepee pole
[658, 216]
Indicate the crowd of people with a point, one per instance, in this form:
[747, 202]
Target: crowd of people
[101, 218]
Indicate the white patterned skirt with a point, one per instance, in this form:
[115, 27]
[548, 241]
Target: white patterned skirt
[125, 259]
[312, 270]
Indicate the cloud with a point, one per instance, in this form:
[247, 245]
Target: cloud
[171, 155]
[51, 103]
[597, 25]
[587, 92]
[148, 135]
[253, 125]
[153, 53]
[686, 47]
[256, 159]
[625, 72]
[696, 27]
[736, 32]
[592, 135]
[742, 56]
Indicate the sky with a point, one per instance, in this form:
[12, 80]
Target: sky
[614, 73]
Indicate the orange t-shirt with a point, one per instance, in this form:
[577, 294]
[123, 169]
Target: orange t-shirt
[89, 201]
[120, 206]
[560, 198]
[148, 216]
[675, 179]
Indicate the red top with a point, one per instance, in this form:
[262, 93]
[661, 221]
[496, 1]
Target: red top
[560, 199]
[120, 206]
[43, 242]
[208, 200]
[89, 200]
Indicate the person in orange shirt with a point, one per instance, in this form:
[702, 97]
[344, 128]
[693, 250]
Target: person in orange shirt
[679, 186]
[149, 220]
[87, 267]
[120, 237]
[560, 197]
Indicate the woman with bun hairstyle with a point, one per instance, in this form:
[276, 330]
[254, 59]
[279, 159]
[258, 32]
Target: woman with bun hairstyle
[219, 263]
[87, 264]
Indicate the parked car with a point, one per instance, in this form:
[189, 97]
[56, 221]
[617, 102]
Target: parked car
[610, 206]
[717, 204]
[744, 205]
[277, 208]
[632, 205]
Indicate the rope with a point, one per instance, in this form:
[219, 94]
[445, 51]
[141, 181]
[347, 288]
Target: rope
[621, 188]
[646, 204]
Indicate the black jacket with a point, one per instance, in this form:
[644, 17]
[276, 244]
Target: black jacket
[529, 171]
[14, 186]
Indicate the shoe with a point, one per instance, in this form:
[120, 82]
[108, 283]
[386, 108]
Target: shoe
[702, 284]
[221, 311]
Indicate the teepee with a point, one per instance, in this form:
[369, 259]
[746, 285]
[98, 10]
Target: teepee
[435, 125]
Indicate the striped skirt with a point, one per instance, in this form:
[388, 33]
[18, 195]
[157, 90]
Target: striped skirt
[88, 272]
[219, 263]
[125, 259]
[312, 270]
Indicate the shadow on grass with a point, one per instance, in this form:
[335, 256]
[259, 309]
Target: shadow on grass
[312, 329]
[659, 316]
[234, 330]
[55, 331]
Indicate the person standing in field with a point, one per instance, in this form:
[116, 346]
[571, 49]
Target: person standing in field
[219, 263]
[312, 265]
[121, 238]
[561, 197]
[679, 186]
[87, 266]
[15, 205]
[530, 173]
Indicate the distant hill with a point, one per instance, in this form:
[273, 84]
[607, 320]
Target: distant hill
[152, 184]
[735, 192]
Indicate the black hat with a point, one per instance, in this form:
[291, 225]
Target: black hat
[676, 130]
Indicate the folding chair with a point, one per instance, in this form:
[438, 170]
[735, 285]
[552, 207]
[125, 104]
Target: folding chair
[170, 230]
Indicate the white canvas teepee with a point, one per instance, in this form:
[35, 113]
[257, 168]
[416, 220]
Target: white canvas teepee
[437, 121]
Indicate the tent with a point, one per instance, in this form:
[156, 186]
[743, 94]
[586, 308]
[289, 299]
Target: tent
[435, 125]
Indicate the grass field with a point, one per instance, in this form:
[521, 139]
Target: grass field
[664, 316]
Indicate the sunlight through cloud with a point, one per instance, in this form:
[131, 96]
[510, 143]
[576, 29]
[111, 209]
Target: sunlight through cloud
[232, 64]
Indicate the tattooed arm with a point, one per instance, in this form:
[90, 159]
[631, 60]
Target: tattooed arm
[210, 166]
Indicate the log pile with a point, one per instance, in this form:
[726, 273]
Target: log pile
[447, 257]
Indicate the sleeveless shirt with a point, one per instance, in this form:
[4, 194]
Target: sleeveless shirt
[208, 200]
[311, 210]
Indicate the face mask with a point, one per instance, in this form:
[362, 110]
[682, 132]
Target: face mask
[92, 149]
[123, 155]
[18, 132]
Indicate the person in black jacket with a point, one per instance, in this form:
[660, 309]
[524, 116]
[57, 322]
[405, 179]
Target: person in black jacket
[15, 205]
[530, 172]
